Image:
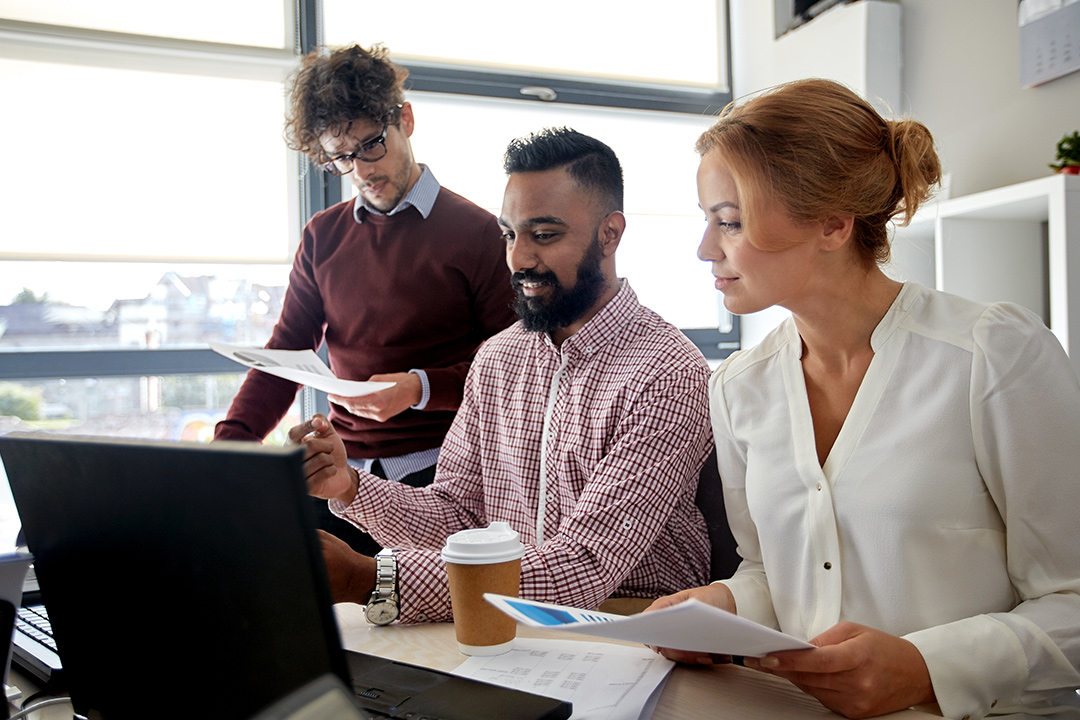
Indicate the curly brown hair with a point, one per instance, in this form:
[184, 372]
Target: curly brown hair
[331, 89]
[820, 150]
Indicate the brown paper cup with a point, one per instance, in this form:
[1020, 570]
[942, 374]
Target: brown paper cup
[478, 561]
[481, 628]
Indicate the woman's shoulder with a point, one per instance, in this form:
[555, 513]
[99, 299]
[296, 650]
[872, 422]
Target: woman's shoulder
[758, 357]
[998, 333]
[960, 321]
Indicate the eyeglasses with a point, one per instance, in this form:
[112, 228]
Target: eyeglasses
[371, 151]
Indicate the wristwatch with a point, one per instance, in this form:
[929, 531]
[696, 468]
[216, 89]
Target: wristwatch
[382, 608]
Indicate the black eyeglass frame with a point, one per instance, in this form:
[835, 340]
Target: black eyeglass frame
[366, 153]
[330, 166]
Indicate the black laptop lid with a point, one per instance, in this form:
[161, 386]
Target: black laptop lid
[182, 580]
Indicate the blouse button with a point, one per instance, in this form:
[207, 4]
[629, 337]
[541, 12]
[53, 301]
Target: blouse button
[828, 566]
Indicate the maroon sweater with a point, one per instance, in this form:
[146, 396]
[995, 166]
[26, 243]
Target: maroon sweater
[391, 294]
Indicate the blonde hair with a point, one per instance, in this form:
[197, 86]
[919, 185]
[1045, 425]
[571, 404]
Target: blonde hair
[820, 150]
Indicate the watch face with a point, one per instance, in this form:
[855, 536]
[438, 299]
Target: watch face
[382, 612]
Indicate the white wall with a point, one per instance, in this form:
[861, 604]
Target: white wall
[959, 74]
[961, 78]
[858, 45]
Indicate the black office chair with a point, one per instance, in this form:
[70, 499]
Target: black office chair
[710, 500]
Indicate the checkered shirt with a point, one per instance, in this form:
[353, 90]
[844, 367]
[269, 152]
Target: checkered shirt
[627, 436]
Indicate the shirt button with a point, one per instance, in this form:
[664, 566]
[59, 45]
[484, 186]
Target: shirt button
[993, 704]
[966, 717]
[819, 487]
[828, 566]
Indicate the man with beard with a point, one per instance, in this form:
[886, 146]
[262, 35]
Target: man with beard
[583, 426]
[403, 283]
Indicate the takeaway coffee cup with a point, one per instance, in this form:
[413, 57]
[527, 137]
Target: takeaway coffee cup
[483, 560]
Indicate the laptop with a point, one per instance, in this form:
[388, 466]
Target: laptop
[186, 580]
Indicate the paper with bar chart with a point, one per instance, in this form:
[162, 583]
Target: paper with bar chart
[691, 625]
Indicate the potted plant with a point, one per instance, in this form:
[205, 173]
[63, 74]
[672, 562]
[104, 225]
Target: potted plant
[1068, 155]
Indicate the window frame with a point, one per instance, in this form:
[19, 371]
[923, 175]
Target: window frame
[460, 80]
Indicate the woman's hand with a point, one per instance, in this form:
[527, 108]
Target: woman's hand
[717, 595]
[856, 671]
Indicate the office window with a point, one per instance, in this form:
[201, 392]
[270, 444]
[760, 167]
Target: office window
[149, 204]
[684, 45]
[507, 70]
[118, 163]
[463, 140]
[567, 53]
[265, 23]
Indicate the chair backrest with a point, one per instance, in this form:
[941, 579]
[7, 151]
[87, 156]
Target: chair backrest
[710, 500]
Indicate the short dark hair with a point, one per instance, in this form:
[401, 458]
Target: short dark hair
[591, 163]
[330, 89]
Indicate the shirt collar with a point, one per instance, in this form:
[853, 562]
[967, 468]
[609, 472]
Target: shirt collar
[899, 309]
[420, 196]
[603, 327]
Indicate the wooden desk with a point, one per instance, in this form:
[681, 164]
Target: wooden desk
[691, 692]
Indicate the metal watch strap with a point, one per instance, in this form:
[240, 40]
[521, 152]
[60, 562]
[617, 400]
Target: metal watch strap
[385, 576]
[382, 608]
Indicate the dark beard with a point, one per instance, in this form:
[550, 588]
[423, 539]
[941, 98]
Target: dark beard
[564, 306]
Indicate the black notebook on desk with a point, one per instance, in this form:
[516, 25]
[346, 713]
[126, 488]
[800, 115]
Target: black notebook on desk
[186, 580]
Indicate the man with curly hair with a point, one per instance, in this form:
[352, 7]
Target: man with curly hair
[403, 283]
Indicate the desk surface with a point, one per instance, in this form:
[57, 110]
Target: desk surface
[691, 692]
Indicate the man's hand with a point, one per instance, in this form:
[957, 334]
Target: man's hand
[856, 671]
[384, 404]
[326, 466]
[352, 575]
[717, 595]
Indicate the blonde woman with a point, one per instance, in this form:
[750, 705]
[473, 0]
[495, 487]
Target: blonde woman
[900, 465]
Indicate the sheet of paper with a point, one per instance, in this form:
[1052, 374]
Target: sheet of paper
[301, 366]
[603, 681]
[691, 625]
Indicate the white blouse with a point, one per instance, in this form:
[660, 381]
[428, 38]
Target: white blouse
[947, 512]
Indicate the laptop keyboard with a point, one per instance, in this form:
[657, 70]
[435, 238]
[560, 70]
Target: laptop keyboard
[33, 620]
[33, 649]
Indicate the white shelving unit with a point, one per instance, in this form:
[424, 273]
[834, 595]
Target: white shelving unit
[1019, 243]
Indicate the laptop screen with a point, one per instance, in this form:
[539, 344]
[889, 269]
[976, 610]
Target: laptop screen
[183, 580]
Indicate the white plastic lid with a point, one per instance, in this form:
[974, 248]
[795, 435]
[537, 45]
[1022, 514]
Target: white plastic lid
[496, 543]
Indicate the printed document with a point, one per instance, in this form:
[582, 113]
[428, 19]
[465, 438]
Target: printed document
[691, 625]
[602, 680]
[300, 366]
